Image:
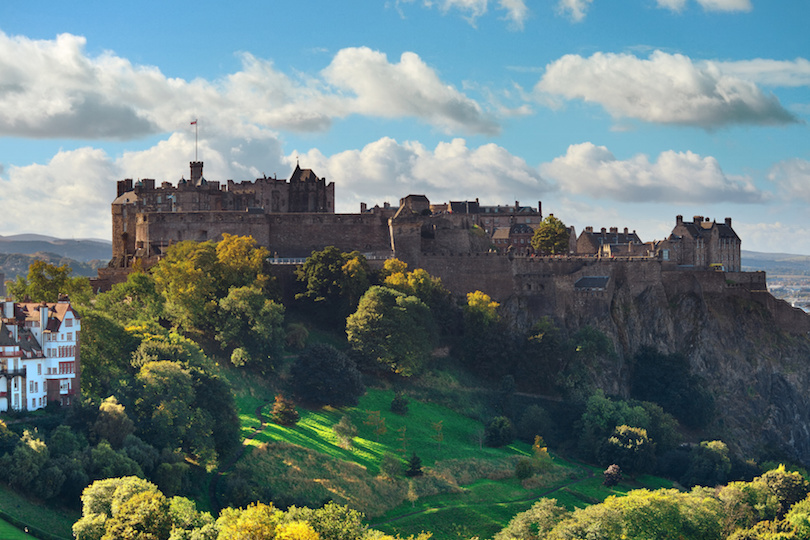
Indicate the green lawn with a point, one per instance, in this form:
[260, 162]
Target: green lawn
[55, 521]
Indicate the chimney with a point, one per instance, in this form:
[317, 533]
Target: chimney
[614, 230]
[363, 208]
[540, 208]
[697, 219]
[625, 231]
[603, 231]
[728, 222]
[678, 220]
[589, 229]
[517, 206]
[124, 186]
[196, 171]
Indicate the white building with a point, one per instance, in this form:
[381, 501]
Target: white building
[39, 354]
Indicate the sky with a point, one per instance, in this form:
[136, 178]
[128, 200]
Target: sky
[613, 114]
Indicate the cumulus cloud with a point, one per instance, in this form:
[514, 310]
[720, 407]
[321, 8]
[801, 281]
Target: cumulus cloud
[767, 72]
[576, 9]
[516, 11]
[792, 178]
[726, 5]
[407, 88]
[387, 170]
[70, 195]
[677, 177]
[665, 88]
[52, 88]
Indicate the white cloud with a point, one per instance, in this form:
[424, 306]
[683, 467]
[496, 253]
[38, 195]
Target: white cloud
[792, 178]
[676, 177]
[708, 5]
[386, 170]
[726, 5]
[408, 88]
[665, 89]
[67, 197]
[770, 72]
[53, 89]
[674, 5]
[516, 10]
[576, 9]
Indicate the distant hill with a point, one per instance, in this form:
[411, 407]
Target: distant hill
[78, 250]
[783, 264]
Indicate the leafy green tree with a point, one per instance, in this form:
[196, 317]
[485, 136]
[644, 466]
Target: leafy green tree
[390, 466]
[284, 412]
[392, 330]
[786, 488]
[256, 522]
[499, 432]
[414, 466]
[429, 289]
[630, 448]
[144, 516]
[187, 279]
[243, 263]
[666, 379]
[22, 467]
[45, 282]
[106, 349]
[188, 523]
[332, 521]
[112, 423]
[322, 375]
[535, 523]
[333, 282]
[345, 431]
[487, 345]
[106, 462]
[251, 321]
[709, 465]
[136, 301]
[551, 237]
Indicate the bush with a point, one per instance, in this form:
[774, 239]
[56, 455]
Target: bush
[524, 469]
[284, 412]
[399, 404]
[390, 466]
[499, 432]
[296, 337]
[323, 375]
[613, 475]
[414, 466]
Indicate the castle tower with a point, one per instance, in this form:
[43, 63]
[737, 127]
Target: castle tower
[196, 172]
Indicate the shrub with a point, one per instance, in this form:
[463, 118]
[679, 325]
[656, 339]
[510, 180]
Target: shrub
[414, 466]
[284, 412]
[323, 375]
[390, 466]
[499, 432]
[399, 404]
[613, 475]
[296, 336]
[524, 469]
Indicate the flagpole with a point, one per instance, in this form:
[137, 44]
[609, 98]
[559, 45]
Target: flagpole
[196, 129]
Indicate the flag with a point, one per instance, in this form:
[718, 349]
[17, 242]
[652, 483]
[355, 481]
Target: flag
[194, 123]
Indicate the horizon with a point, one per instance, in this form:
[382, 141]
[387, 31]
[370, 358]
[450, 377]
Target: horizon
[613, 117]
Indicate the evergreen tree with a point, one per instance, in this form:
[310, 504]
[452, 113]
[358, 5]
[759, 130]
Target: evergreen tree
[414, 466]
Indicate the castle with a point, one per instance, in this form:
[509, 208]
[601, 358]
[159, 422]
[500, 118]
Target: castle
[294, 217]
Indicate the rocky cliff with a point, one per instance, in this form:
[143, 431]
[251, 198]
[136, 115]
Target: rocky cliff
[751, 350]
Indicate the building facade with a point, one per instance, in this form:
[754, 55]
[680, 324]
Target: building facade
[703, 244]
[39, 355]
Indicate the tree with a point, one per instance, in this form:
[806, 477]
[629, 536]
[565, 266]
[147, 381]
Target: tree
[390, 466]
[414, 466]
[630, 448]
[256, 522]
[534, 523]
[242, 263]
[345, 431]
[333, 282]
[135, 301]
[112, 423]
[143, 516]
[45, 282]
[106, 351]
[251, 321]
[284, 412]
[322, 375]
[551, 237]
[392, 330]
[709, 465]
[613, 475]
[187, 278]
[499, 432]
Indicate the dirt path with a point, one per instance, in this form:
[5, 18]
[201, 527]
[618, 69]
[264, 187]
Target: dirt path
[227, 466]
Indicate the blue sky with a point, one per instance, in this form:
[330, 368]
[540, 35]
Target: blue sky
[612, 117]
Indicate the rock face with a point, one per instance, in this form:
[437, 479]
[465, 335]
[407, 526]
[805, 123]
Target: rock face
[751, 350]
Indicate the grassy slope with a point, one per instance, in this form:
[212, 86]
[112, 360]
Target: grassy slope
[467, 490]
[53, 520]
